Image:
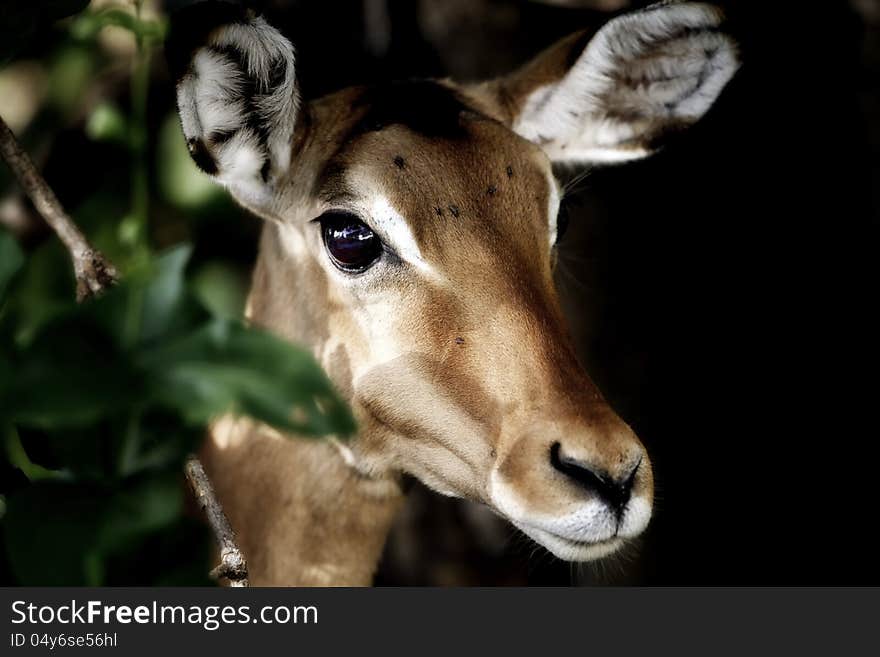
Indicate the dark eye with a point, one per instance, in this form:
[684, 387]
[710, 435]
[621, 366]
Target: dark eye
[562, 219]
[352, 245]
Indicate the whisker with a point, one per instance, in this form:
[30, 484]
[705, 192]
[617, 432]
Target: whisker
[565, 269]
[571, 186]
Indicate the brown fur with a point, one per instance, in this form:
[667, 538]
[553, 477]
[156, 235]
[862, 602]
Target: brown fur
[451, 348]
[483, 374]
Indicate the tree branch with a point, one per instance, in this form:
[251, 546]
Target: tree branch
[94, 273]
[232, 562]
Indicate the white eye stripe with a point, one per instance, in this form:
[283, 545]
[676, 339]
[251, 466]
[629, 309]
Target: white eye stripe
[393, 228]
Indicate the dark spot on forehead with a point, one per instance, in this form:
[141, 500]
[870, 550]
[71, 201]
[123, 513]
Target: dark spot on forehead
[423, 106]
[399, 162]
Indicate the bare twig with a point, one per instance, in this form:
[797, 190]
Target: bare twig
[94, 273]
[232, 562]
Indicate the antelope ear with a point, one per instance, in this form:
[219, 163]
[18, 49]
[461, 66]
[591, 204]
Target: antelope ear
[237, 97]
[618, 95]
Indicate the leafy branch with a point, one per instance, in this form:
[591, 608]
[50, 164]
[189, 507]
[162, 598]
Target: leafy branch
[103, 403]
[94, 274]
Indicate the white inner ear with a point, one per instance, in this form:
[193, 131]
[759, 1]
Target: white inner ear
[214, 92]
[643, 73]
[262, 45]
[238, 105]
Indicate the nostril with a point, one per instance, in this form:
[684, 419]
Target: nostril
[614, 492]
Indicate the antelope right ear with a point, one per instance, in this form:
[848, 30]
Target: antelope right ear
[616, 95]
[237, 97]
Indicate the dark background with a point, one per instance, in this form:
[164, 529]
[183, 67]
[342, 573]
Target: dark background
[723, 293]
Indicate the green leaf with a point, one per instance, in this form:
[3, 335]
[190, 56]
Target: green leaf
[79, 390]
[164, 297]
[72, 374]
[228, 368]
[61, 534]
[153, 440]
[92, 22]
[36, 519]
[150, 304]
[107, 123]
[79, 368]
[127, 443]
[180, 181]
[139, 509]
[11, 260]
[41, 291]
[16, 469]
[18, 458]
[72, 70]
[221, 288]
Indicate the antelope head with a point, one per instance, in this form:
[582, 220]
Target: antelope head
[410, 241]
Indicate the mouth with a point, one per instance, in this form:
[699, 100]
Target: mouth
[571, 550]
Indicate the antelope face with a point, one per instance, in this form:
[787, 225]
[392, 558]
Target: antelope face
[435, 243]
[411, 239]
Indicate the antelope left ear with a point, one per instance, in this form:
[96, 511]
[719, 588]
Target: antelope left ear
[237, 96]
[616, 96]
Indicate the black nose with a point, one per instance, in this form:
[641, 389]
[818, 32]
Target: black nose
[614, 492]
